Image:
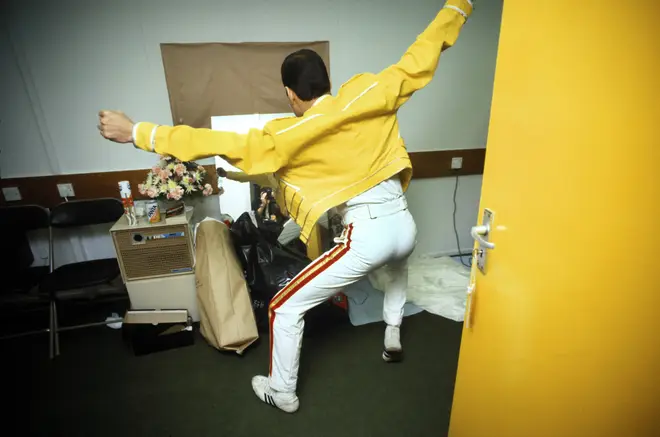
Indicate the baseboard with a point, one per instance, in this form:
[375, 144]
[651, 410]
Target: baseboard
[451, 252]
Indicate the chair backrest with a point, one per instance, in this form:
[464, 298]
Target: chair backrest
[86, 212]
[23, 218]
[15, 223]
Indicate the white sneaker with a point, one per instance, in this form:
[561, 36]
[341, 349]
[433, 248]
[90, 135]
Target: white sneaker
[287, 402]
[393, 351]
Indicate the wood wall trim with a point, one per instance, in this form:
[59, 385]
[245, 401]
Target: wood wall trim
[437, 164]
[42, 190]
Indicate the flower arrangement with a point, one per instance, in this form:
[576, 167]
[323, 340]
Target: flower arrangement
[171, 179]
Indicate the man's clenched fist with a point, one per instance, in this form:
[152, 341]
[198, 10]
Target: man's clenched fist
[116, 126]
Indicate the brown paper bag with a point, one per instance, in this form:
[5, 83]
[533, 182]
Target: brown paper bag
[227, 318]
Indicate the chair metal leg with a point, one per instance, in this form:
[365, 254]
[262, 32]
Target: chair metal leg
[24, 334]
[90, 325]
[56, 330]
[51, 331]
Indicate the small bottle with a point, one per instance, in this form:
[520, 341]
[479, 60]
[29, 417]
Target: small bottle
[127, 200]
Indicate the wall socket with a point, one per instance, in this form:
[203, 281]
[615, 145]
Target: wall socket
[66, 190]
[456, 163]
[11, 194]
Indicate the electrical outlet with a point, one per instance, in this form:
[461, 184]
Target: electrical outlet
[456, 163]
[11, 194]
[66, 190]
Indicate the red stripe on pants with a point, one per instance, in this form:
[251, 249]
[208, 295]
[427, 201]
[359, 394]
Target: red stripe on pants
[312, 271]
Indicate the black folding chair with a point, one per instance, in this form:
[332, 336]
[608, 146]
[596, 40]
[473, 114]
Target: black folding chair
[18, 295]
[87, 281]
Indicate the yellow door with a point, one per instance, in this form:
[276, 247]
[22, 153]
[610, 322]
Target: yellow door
[564, 332]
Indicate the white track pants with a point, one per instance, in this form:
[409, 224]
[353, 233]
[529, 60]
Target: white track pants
[368, 244]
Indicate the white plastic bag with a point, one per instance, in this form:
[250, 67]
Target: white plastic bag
[438, 285]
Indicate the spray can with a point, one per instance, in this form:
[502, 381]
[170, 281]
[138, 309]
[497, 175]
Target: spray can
[127, 200]
[153, 211]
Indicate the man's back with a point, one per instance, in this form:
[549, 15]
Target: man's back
[357, 126]
[341, 147]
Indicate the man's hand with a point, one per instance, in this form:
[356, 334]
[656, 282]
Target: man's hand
[264, 199]
[221, 172]
[116, 126]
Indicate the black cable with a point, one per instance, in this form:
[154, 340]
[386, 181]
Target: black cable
[458, 242]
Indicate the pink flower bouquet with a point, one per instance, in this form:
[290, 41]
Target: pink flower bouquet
[172, 179]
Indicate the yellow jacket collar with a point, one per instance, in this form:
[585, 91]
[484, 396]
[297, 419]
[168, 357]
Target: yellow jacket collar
[317, 104]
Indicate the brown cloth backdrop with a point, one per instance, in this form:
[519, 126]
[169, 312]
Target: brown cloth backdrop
[212, 79]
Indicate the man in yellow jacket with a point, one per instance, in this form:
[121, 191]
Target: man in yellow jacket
[342, 151]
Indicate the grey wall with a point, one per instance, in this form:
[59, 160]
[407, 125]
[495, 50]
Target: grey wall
[63, 61]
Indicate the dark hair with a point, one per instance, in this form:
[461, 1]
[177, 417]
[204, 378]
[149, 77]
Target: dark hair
[305, 73]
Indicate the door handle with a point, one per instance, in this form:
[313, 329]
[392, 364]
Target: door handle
[478, 232]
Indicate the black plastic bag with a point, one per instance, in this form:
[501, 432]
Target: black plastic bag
[270, 230]
[245, 235]
[268, 268]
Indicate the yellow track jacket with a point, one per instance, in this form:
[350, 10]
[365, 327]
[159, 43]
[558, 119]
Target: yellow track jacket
[341, 147]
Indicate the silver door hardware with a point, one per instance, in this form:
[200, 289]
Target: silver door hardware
[481, 235]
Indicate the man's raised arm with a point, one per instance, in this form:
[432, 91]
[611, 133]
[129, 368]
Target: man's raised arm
[263, 180]
[417, 66]
[254, 152]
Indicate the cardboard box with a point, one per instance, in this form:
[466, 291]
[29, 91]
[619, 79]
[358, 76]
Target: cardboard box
[149, 331]
[165, 293]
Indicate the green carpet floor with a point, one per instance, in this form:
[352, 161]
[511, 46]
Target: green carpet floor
[98, 388]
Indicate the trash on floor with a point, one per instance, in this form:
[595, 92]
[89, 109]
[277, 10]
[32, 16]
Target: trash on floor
[114, 320]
